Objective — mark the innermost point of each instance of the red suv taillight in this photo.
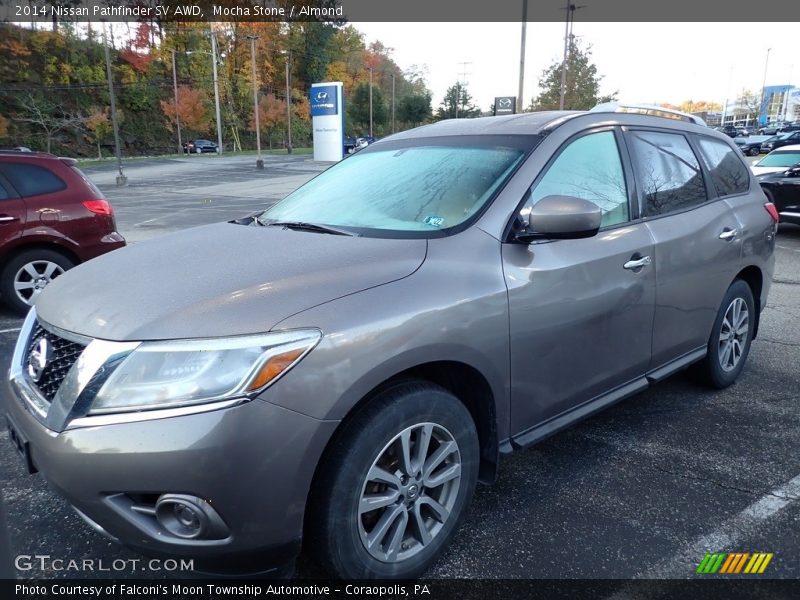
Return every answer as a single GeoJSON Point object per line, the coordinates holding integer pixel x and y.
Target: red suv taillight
{"type": "Point", "coordinates": [773, 212]}
{"type": "Point", "coordinates": [99, 207]}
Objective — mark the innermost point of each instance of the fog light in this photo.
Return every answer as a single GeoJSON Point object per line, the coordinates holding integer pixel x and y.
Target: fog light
{"type": "Point", "coordinates": [189, 517]}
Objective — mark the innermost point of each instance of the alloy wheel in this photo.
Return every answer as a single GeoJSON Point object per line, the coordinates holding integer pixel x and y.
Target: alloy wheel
{"type": "Point", "coordinates": [733, 334]}
{"type": "Point", "coordinates": [33, 277]}
{"type": "Point", "coordinates": [409, 492]}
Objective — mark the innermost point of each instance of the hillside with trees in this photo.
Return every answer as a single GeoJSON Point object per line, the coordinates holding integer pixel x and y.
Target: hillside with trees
{"type": "Point", "coordinates": [54, 90]}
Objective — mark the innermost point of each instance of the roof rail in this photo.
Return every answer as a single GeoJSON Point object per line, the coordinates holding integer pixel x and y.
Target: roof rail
{"type": "Point", "coordinates": [648, 109]}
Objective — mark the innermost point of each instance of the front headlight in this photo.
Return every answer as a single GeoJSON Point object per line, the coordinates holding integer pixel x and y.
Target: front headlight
{"type": "Point", "coordinates": [178, 373]}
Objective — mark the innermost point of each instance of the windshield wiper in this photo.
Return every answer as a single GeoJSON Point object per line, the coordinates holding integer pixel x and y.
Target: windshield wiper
{"type": "Point", "coordinates": [301, 226]}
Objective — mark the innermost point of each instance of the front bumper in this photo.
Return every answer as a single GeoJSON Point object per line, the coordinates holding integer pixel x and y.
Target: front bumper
{"type": "Point", "coordinates": [253, 463]}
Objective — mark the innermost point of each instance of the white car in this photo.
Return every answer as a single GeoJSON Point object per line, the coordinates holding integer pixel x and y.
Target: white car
{"type": "Point", "coordinates": [781, 159]}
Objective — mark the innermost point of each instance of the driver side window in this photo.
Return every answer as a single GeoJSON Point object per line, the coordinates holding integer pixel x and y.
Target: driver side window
{"type": "Point", "coordinates": [589, 168]}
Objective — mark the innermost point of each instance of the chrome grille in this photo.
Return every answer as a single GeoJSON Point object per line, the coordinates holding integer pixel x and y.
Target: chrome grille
{"type": "Point", "coordinates": [65, 353]}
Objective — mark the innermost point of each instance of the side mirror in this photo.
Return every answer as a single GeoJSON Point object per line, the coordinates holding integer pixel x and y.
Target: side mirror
{"type": "Point", "coordinates": [794, 171]}
{"type": "Point", "coordinates": [560, 217]}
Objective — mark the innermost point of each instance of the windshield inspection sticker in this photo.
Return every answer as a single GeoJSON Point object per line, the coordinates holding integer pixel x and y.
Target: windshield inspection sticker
{"type": "Point", "coordinates": [433, 220]}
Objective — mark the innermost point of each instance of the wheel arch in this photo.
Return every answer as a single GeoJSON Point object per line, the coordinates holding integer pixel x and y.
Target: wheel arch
{"type": "Point", "coordinates": [40, 245]}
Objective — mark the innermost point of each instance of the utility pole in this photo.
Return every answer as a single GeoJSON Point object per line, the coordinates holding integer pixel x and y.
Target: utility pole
{"type": "Point", "coordinates": [259, 160]}
{"type": "Point", "coordinates": [458, 83]}
{"type": "Point", "coordinates": [393, 103]}
{"type": "Point", "coordinates": [522, 55]}
{"type": "Point", "coordinates": [175, 88]}
{"type": "Point", "coordinates": [288, 106]}
{"type": "Point", "coordinates": [216, 90]}
{"type": "Point", "coordinates": [763, 102]}
{"type": "Point", "coordinates": [121, 179]}
{"type": "Point", "coordinates": [564, 64]}
{"type": "Point", "coordinates": [370, 102]}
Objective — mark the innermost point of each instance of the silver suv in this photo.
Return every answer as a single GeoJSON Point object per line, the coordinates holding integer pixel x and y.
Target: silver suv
{"type": "Point", "coordinates": [345, 366]}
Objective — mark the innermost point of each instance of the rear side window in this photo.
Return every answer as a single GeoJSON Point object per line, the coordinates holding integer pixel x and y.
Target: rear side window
{"type": "Point", "coordinates": [668, 172]}
{"type": "Point", "coordinates": [32, 180]}
{"type": "Point", "coordinates": [4, 195]}
{"type": "Point", "coordinates": [728, 173]}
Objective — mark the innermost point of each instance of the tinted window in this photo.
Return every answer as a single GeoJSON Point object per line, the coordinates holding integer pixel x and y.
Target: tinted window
{"type": "Point", "coordinates": [589, 168]}
{"type": "Point", "coordinates": [728, 173]}
{"type": "Point", "coordinates": [668, 172]}
{"type": "Point", "coordinates": [4, 193]}
{"type": "Point", "coordinates": [31, 180]}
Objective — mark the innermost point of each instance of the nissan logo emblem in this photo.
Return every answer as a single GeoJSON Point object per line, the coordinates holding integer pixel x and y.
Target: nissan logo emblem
{"type": "Point", "coordinates": [38, 359]}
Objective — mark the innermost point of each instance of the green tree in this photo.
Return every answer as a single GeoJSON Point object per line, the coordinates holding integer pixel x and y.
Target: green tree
{"type": "Point", "coordinates": [582, 85]}
{"type": "Point", "coordinates": [358, 108]}
{"type": "Point", "coordinates": [414, 109]}
{"type": "Point", "coordinates": [457, 103]}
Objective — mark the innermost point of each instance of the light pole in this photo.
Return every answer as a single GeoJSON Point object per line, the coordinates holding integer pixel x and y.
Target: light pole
{"type": "Point", "coordinates": [259, 160]}
{"type": "Point", "coordinates": [563, 88]}
{"type": "Point", "coordinates": [763, 102]}
{"type": "Point", "coordinates": [213, 54]}
{"type": "Point", "coordinates": [288, 105]}
{"type": "Point", "coordinates": [392, 103]}
{"type": "Point", "coordinates": [121, 179]}
{"type": "Point", "coordinates": [522, 55]}
{"type": "Point", "coordinates": [175, 88]}
{"type": "Point", "coordinates": [216, 91]}
{"type": "Point", "coordinates": [370, 102]}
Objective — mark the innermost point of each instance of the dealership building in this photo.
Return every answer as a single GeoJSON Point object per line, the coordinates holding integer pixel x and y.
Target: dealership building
{"type": "Point", "coordinates": [778, 103]}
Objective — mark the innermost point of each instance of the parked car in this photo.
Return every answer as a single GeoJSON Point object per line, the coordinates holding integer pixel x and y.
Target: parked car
{"type": "Point", "coordinates": [362, 143]}
{"type": "Point", "coordinates": [789, 128]}
{"type": "Point", "coordinates": [742, 132]}
{"type": "Point", "coordinates": [344, 366]}
{"type": "Point", "coordinates": [780, 140]}
{"type": "Point", "coordinates": [200, 146]}
{"type": "Point", "coordinates": [728, 130]}
{"type": "Point", "coordinates": [349, 144]}
{"type": "Point", "coordinates": [777, 161]}
{"type": "Point", "coordinates": [770, 129]}
{"type": "Point", "coordinates": [751, 146]}
{"type": "Point", "coordinates": [782, 188]}
{"type": "Point", "coordinates": [51, 218]}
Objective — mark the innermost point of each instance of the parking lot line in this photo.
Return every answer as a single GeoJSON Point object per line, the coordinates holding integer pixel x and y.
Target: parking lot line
{"type": "Point", "coordinates": [12, 330]}
{"type": "Point", "coordinates": [731, 532]}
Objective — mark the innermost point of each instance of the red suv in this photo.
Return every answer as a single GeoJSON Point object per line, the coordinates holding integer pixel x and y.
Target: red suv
{"type": "Point", "coordinates": [51, 218]}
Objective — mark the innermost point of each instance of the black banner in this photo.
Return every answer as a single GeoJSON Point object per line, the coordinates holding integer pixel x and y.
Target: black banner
{"type": "Point", "coordinates": [250, 589]}
{"type": "Point", "coordinates": [337, 11]}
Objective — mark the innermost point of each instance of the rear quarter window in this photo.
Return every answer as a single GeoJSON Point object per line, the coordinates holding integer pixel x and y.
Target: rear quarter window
{"type": "Point", "coordinates": [31, 180]}
{"type": "Point", "coordinates": [729, 175]}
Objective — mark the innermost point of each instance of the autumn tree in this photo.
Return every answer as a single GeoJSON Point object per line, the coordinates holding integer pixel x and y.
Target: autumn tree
{"type": "Point", "coordinates": [271, 116]}
{"type": "Point", "coordinates": [457, 104]}
{"type": "Point", "coordinates": [98, 125]}
{"type": "Point", "coordinates": [748, 105]}
{"type": "Point", "coordinates": [191, 111]}
{"type": "Point", "coordinates": [3, 126]}
{"type": "Point", "coordinates": [582, 85]}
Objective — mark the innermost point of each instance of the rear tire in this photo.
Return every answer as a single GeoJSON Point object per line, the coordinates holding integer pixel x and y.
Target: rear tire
{"type": "Point", "coordinates": [377, 511]}
{"type": "Point", "coordinates": [24, 277]}
{"type": "Point", "coordinates": [730, 339]}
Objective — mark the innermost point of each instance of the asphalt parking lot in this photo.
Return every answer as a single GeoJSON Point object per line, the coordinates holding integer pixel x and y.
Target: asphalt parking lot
{"type": "Point", "coordinates": [643, 489]}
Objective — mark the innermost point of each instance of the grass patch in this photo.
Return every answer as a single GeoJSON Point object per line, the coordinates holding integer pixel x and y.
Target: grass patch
{"type": "Point", "coordinates": [95, 162]}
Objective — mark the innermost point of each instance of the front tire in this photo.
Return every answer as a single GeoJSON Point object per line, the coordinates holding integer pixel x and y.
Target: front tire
{"type": "Point", "coordinates": [27, 274]}
{"type": "Point", "coordinates": [395, 485]}
{"type": "Point", "coordinates": [730, 339]}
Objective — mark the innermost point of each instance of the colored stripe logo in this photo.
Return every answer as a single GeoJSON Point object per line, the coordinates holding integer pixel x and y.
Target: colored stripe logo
{"type": "Point", "coordinates": [734, 563]}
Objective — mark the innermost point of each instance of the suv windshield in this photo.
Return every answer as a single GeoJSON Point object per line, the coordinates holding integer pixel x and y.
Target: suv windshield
{"type": "Point", "coordinates": [786, 158]}
{"type": "Point", "coordinates": [418, 188]}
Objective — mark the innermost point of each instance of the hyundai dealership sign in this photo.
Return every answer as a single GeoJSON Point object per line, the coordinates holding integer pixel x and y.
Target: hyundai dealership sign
{"type": "Point", "coordinates": [327, 121]}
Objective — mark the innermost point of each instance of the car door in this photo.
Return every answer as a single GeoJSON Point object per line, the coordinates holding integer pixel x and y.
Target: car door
{"type": "Point", "coordinates": [41, 189]}
{"type": "Point", "coordinates": [581, 310]}
{"type": "Point", "coordinates": [697, 241]}
{"type": "Point", "coordinates": [12, 213]}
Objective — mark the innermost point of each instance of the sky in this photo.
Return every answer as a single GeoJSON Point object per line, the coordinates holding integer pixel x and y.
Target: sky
{"type": "Point", "coordinates": [644, 62]}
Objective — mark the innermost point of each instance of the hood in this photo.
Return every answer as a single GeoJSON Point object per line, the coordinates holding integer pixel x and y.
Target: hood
{"type": "Point", "coordinates": [765, 170]}
{"type": "Point", "coordinates": [219, 280]}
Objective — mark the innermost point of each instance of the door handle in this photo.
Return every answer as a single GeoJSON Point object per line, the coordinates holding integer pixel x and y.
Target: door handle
{"type": "Point", "coordinates": [637, 263]}
{"type": "Point", "coordinates": [728, 234]}
{"type": "Point", "coordinates": [7, 218]}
